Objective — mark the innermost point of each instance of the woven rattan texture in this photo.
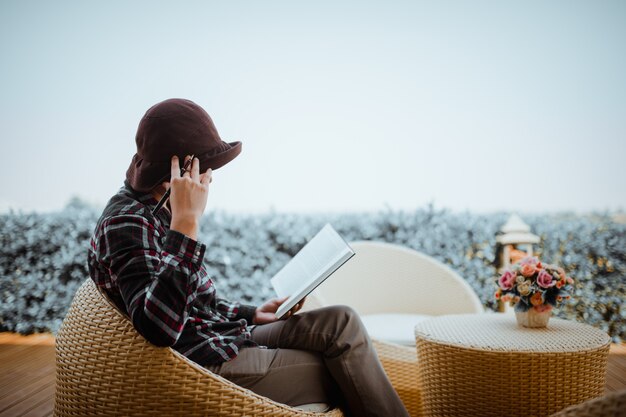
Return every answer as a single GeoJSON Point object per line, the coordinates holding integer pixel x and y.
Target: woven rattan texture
{"type": "Point", "coordinates": [105, 368]}
{"type": "Point", "coordinates": [400, 363]}
{"type": "Point", "coordinates": [501, 332]}
{"type": "Point", "coordinates": [612, 405]}
{"type": "Point", "coordinates": [528, 379]}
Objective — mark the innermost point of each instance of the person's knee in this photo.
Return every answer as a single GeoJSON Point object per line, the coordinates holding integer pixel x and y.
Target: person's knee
{"type": "Point", "coordinates": [341, 311]}
{"type": "Point", "coordinates": [346, 317]}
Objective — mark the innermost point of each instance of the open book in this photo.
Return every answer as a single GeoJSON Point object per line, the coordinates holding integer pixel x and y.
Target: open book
{"type": "Point", "coordinates": [315, 262]}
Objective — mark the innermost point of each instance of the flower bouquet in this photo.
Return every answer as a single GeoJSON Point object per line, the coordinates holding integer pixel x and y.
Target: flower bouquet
{"type": "Point", "coordinates": [533, 288]}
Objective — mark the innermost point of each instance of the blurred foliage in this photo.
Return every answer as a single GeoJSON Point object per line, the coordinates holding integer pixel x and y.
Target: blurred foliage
{"type": "Point", "coordinates": [43, 256]}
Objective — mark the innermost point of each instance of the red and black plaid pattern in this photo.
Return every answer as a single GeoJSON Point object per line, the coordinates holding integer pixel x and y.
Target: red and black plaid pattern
{"type": "Point", "coordinates": [156, 276]}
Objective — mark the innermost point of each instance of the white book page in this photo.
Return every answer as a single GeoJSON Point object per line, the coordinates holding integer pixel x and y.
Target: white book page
{"type": "Point", "coordinates": [319, 258]}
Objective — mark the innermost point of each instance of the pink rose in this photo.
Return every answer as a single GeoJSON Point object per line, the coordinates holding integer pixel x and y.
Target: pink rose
{"type": "Point", "coordinates": [530, 260]}
{"type": "Point", "coordinates": [528, 270]}
{"type": "Point", "coordinates": [544, 279]}
{"type": "Point", "coordinates": [507, 280]}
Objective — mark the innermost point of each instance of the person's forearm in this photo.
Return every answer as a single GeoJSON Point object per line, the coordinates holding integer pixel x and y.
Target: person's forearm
{"type": "Point", "coordinates": [188, 227]}
{"type": "Point", "coordinates": [235, 310]}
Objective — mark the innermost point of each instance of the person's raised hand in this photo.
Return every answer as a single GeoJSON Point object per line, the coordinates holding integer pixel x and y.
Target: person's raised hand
{"type": "Point", "coordinates": [188, 197]}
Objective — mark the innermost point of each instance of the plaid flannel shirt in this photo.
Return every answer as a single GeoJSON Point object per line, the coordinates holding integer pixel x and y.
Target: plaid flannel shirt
{"type": "Point", "coordinates": [155, 275]}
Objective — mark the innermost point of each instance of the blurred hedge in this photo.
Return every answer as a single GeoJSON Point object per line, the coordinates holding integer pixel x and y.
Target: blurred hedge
{"type": "Point", "coordinates": [43, 256]}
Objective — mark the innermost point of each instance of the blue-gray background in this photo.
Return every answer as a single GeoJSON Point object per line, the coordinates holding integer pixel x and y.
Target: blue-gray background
{"type": "Point", "coordinates": [479, 105]}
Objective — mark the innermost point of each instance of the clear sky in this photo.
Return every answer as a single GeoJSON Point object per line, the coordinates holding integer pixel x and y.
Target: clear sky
{"type": "Point", "coordinates": [340, 105]}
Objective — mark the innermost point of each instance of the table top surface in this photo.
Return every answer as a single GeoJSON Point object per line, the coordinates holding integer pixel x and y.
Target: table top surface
{"type": "Point", "coordinates": [500, 332]}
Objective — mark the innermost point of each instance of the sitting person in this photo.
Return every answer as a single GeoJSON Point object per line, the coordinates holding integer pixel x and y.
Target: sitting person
{"type": "Point", "coordinates": [150, 263]}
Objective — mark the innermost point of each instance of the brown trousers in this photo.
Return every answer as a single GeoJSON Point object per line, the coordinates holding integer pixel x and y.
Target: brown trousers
{"type": "Point", "coordinates": [323, 355]}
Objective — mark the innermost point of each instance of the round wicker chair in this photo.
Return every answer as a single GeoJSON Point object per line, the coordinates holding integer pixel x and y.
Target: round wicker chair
{"type": "Point", "coordinates": [610, 405]}
{"type": "Point", "coordinates": [106, 368]}
{"type": "Point", "coordinates": [389, 278]}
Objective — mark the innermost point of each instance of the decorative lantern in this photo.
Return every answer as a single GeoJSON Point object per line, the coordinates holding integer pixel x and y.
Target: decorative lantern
{"type": "Point", "coordinates": [514, 243]}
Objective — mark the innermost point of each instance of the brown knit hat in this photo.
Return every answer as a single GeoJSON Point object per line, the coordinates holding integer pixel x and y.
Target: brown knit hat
{"type": "Point", "coordinates": [175, 127]}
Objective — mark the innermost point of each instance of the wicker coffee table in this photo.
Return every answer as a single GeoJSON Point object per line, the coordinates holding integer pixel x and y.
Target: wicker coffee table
{"type": "Point", "coordinates": [486, 365]}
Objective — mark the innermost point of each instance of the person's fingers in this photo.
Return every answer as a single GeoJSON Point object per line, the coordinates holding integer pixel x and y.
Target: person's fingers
{"type": "Point", "coordinates": [175, 167]}
{"type": "Point", "coordinates": [208, 177]}
{"type": "Point", "coordinates": [186, 173]}
{"type": "Point", "coordinates": [195, 169]}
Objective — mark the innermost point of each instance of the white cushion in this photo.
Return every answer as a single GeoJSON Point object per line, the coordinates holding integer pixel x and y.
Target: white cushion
{"type": "Point", "coordinates": [314, 407]}
{"type": "Point", "coordinates": [394, 328]}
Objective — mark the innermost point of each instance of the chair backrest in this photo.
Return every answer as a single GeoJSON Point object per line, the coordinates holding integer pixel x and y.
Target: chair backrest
{"type": "Point", "coordinates": [388, 278]}
{"type": "Point", "coordinates": [612, 404]}
{"type": "Point", "coordinates": [106, 368]}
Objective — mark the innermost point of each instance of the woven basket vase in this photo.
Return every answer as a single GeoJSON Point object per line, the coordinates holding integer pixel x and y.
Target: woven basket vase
{"type": "Point", "coordinates": [532, 318]}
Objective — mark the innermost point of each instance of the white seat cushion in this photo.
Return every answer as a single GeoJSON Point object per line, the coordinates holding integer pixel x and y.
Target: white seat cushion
{"type": "Point", "coordinates": [314, 407]}
{"type": "Point", "coordinates": [394, 328]}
